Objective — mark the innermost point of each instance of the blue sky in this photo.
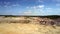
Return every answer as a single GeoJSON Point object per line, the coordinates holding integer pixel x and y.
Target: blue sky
{"type": "Point", "coordinates": [29, 7]}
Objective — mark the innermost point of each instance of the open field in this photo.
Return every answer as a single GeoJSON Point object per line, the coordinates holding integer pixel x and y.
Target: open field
{"type": "Point", "coordinates": [29, 25]}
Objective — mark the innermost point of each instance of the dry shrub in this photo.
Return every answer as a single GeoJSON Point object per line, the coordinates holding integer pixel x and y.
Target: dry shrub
{"type": "Point", "coordinates": [19, 21]}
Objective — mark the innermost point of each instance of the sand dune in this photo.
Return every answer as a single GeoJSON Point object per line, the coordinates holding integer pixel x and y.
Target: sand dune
{"type": "Point", "coordinates": [28, 25]}
{"type": "Point", "coordinates": [17, 28]}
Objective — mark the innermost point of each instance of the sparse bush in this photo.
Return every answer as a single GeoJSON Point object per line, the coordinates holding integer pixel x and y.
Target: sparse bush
{"type": "Point", "coordinates": [19, 21]}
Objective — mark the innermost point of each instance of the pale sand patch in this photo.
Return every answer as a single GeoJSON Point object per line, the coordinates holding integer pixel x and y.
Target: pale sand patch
{"type": "Point", "coordinates": [17, 28]}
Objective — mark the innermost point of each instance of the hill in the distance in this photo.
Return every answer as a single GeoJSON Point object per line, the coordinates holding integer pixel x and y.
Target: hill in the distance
{"type": "Point", "coordinates": [44, 20]}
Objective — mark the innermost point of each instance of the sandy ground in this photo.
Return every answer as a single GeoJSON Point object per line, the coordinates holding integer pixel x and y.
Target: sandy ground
{"type": "Point", "coordinates": [18, 28]}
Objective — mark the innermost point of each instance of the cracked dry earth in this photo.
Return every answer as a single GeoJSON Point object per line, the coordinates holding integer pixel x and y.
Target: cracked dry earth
{"type": "Point", "coordinates": [18, 28]}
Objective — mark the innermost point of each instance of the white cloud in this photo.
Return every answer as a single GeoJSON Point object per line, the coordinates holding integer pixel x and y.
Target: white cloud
{"type": "Point", "coordinates": [5, 6]}
{"type": "Point", "coordinates": [40, 6]}
{"type": "Point", "coordinates": [56, 1]}
{"type": "Point", "coordinates": [58, 4]}
{"type": "Point", "coordinates": [7, 3]}
{"type": "Point", "coordinates": [29, 12]}
{"type": "Point", "coordinates": [15, 5]}
{"type": "Point", "coordinates": [48, 8]}
{"type": "Point", "coordinates": [51, 11]}
{"type": "Point", "coordinates": [35, 10]}
{"type": "Point", "coordinates": [0, 5]}
{"type": "Point", "coordinates": [27, 7]}
{"type": "Point", "coordinates": [41, 1]}
{"type": "Point", "coordinates": [36, 7]}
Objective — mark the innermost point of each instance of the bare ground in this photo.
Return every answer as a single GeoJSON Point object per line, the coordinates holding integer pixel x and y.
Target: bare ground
{"type": "Point", "coordinates": [24, 25]}
{"type": "Point", "coordinates": [18, 28]}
